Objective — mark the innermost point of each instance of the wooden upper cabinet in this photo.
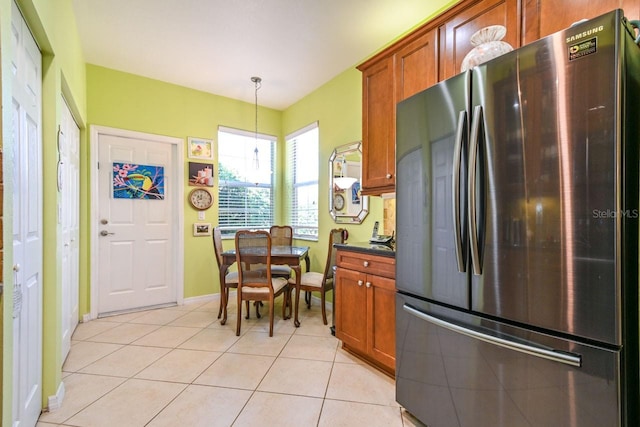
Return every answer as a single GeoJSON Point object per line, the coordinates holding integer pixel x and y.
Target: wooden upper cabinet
{"type": "Point", "coordinates": [434, 52]}
{"type": "Point", "coordinates": [378, 128]}
{"type": "Point", "coordinates": [456, 32]}
{"type": "Point", "coordinates": [541, 18]}
{"type": "Point", "coordinates": [417, 65]}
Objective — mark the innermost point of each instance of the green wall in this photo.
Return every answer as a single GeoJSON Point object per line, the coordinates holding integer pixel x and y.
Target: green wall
{"type": "Point", "coordinates": [132, 102]}
{"type": "Point", "coordinates": [127, 101]}
{"type": "Point", "coordinates": [337, 106]}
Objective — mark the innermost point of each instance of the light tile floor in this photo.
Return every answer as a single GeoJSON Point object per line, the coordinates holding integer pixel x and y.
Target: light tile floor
{"type": "Point", "coordinates": [179, 367]}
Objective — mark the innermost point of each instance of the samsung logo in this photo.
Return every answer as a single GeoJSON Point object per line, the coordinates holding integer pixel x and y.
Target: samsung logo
{"type": "Point", "coordinates": [585, 34]}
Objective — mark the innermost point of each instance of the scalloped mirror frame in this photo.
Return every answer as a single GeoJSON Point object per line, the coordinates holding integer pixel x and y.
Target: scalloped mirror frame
{"type": "Point", "coordinates": [350, 153]}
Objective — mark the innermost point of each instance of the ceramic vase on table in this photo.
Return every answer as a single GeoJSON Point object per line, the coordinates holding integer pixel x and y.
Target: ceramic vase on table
{"type": "Point", "coordinates": [487, 44]}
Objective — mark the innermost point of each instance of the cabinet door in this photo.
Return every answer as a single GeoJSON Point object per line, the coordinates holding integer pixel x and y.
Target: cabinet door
{"type": "Point", "coordinates": [378, 128]}
{"type": "Point", "coordinates": [381, 310]}
{"type": "Point", "coordinates": [455, 34]}
{"type": "Point", "coordinates": [417, 66]}
{"type": "Point", "coordinates": [544, 17]}
{"type": "Point", "coordinates": [351, 308]}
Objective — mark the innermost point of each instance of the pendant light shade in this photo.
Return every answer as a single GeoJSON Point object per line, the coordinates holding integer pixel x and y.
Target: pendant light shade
{"type": "Point", "coordinates": [257, 81]}
{"type": "Point", "coordinates": [344, 182]}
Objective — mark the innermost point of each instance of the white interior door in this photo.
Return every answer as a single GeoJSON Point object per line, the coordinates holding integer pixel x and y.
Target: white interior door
{"type": "Point", "coordinates": [138, 221]}
{"type": "Point", "coordinates": [69, 185]}
{"type": "Point", "coordinates": [27, 223]}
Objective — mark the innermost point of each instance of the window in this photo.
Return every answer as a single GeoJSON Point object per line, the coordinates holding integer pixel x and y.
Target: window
{"type": "Point", "coordinates": [302, 167]}
{"type": "Point", "coordinates": [245, 195]}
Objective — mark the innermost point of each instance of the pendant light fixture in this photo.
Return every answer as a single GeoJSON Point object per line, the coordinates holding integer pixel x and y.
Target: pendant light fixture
{"type": "Point", "coordinates": [257, 81]}
{"type": "Point", "coordinates": [343, 182]}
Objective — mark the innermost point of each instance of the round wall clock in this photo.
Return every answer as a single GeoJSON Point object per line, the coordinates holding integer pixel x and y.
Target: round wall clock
{"type": "Point", "coordinates": [200, 198]}
{"type": "Point", "coordinates": [338, 202]}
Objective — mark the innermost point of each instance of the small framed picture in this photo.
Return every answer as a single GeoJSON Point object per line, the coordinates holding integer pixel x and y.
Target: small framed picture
{"type": "Point", "coordinates": [199, 148]}
{"type": "Point", "coordinates": [201, 229]}
{"type": "Point", "coordinates": [200, 174]}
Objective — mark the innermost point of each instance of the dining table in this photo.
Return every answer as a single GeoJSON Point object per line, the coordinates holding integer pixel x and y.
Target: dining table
{"type": "Point", "coordinates": [280, 255]}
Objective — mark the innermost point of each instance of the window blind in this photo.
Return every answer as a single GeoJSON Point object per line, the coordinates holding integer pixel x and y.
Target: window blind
{"type": "Point", "coordinates": [245, 194]}
{"type": "Point", "coordinates": [302, 167]}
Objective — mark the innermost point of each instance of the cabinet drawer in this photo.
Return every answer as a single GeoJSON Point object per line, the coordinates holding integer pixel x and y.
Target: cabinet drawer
{"type": "Point", "coordinates": [366, 263]}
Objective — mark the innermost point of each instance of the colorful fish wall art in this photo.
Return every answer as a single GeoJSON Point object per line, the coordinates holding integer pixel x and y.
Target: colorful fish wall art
{"type": "Point", "coordinates": [138, 181]}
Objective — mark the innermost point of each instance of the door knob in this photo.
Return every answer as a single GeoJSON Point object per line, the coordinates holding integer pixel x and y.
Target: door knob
{"type": "Point", "coordinates": [16, 268]}
{"type": "Point", "coordinates": [105, 233]}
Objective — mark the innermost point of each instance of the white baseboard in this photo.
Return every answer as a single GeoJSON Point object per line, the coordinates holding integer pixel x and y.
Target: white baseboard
{"type": "Point", "coordinates": [199, 299]}
{"type": "Point", "coordinates": [55, 402]}
{"type": "Point", "coordinates": [202, 298]}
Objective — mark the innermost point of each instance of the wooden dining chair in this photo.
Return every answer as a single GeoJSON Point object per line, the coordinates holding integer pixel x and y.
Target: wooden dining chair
{"type": "Point", "coordinates": [253, 247]}
{"type": "Point", "coordinates": [281, 235]}
{"type": "Point", "coordinates": [312, 281]}
{"type": "Point", "coordinates": [230, 279]}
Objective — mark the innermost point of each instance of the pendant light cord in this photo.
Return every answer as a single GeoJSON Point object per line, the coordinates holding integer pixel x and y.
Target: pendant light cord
{"type": "Point", "coordinates": [258, 84]}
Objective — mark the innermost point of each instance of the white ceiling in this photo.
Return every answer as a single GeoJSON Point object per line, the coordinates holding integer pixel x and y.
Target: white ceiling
{"type": "Point", "coordinates": [216, 46]}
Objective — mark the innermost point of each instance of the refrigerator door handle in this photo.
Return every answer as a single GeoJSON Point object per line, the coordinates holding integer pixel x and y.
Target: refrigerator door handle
{"type": "Point", "coordinates": [457, 163]}
{"type": "Point", "coordinates": [556, 356]}
{"type": "Point", "coordinates": [473, 164]}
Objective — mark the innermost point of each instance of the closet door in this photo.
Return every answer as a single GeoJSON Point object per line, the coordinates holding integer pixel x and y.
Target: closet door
{"type": "Point", "coordinates": [26, 143]}
{"type": "Point", "coordinates": [69, 186]}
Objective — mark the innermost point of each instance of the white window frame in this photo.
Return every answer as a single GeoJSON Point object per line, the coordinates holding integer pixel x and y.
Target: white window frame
{"type": "Point", "coordinates": [302, 173]}
{"type": "Point", "coordinates": [238, 158]}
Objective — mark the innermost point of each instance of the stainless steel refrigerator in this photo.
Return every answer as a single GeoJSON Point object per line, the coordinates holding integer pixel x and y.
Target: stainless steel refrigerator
{"type": "Point", "coordinates": [517, 237]}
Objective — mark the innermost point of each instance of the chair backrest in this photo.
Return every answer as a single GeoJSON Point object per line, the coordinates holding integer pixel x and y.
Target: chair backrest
{"type": "Point", "coordinates": [281, 235]}
{"type": "Point", "coordinates": [217, 245]}
{"type": "Point", "coordinates": [253, 247]}
{"type": "Point", "coordinates": [337, 235]}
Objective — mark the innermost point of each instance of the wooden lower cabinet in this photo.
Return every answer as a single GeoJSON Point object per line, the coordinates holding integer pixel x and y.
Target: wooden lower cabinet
{"type": "Point", "coordinates": [365, 307]}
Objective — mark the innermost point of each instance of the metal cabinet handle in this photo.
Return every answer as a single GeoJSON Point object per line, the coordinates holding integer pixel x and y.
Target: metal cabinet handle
{"type": "Point", "coordinates": [389, 176]}
{"type": "Point", "coordinates": [474, 241]}
{"type": "Point", "coordinates": [368, 284]}
{"type": "Point", "coordinates": [457, 163]}
{"type": "Point", "coordinates": [366, 263]}
{"type": "Point", "coordinates": [360, 282]}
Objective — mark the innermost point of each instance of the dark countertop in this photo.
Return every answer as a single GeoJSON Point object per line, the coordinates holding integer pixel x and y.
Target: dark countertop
{"type": "Point", "coordinates": [367, 248]}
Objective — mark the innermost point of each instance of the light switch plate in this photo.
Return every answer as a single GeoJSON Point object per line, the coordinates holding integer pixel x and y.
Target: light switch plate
{"type": "Point", "coordinates": [200, 215]}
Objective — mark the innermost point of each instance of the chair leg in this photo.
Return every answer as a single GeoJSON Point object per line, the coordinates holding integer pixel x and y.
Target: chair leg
{"type": "Point", "coordinates": [324, 310]}
{"type": "Point", "coordinates": [248, 310]}
{"type": "Point", "coordinates": [271, 300]}
{"type": "Point", "coordinates": [289, 303]}
{"type": "Point", "coordinates": [226, 304]}
{"type": "Point", "coordinates": [222, 297]}
{"type": "Point", "coordinates": [307, 298]}
{"type": "Point", "coordinates": [284, 304]}
{"type": "Point", "coordinates": [239, 317]}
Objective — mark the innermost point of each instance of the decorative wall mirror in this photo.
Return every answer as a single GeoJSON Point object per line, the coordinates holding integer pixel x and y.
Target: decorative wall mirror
{"type": "Point", "coordinates": [346, 203]}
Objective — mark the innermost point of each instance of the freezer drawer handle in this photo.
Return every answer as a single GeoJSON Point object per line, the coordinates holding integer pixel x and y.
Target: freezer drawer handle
{"type": "Point", "coordinates": [567, 359]}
